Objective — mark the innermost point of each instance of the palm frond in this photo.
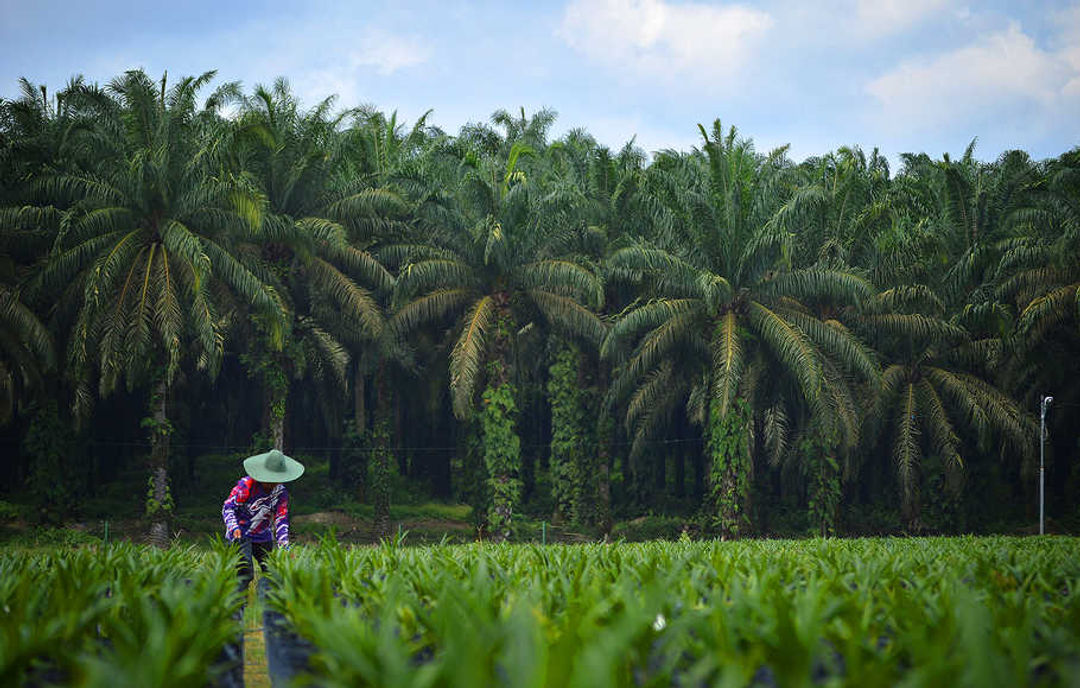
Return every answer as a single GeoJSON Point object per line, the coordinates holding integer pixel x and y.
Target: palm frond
{"type": "Point", "coordinates": [562, 277]}
{"type": "Point", "coordinates": [906, 451]}
{"type": "Point", "coordinates": [567, 315]}
{"type": "Point", "coordinates": [436, 273]}
{"type": "Point", "coordinates": [727, 362]}
{"type": "Point", "coordinates": [937, 426]}
{"type": "Point", "coordinates": [468, 355]}
{"type": "Point", "coordinates": [790, 346]}
{"type": "Point", "coordinates": [431, 307]}
{"type": "Point", "coordinates": [833, 286]}
{"type": "Point", "coordinates": [356, 302]}
{"type": "Point", "coordinates": [836, 341]}
{"type": "Point", "coordinates": [646, 317]}
{"type": "Point", "coordinates": [30, 332]}
{"type": "Point", "coordinates": [655, 386]}
{"type": "Point", "coordinates": [913, 326]}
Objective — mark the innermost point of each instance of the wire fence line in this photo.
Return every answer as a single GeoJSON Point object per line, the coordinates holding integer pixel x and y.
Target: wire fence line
{"type": "Point", "coordinates": [312, 450]}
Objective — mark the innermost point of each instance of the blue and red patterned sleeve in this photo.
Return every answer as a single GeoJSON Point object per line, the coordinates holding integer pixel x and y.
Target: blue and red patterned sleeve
{"type": "Point", "coordinates": [281, 519]}
{"type": "Point", "coordinates": [238, 496]}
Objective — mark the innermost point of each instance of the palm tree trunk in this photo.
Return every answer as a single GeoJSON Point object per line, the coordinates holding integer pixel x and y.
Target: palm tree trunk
{"type": "Point", "coordinates": [605, 428]}
{"type": "Point", "coordinates": [359, 400]}
{"type": "Point", "coordinates": [502, 446]}
{"type": "Point", "coordinates": [159, 506]}
{"type": "Point", "coordinates": [605, 431]}
{"type": "Point", "coordinates": [566, 436]}
{"type": "Point", "coordinates": [729, 470]}
{"type": "Point", "coordinates": [275, 386]}
{"type": "Point", "coordinates": [380, 488]}
{"type": "Point", "coordinates": [277, 422]}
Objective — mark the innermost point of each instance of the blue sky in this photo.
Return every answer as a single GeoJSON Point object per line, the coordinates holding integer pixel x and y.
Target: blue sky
{"type": "Point", "coordinates": [902, 75]}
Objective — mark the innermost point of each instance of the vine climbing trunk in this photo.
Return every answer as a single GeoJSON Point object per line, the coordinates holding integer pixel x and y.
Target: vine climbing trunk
{"type": "Point", "coordinates": [729, 467]}
{"type": "Point", "coordinates": [275, 385]}
{"type": "Point", "coordinates": [502, 446]}
{"type": "Point", "coordinates": [567, 435]}
{"type": "Point", "coordinates": [382, 460]}
{"type": "Point", "coordinates": [824, 477]}
{"type": "Point", "coordinates": [605, 433]}
{"type": "Point", "coordinates": [277, 420]}
{"type": "Point", "coordinates": [159, 499]}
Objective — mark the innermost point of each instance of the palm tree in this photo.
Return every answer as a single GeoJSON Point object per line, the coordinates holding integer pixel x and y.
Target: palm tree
{"type": "Point", "coordinates": [26, 353]}
{"type": "Point", "coordinates": [1038, 271]}
{"type": "Point", "coordinates": [834, 209]}
{"type": "Point", "coordinates": [1039, 277]}
{"type": "Point", "coordinates": [34, 134]}
{"type": "Point", "coordinates": [933, 387]}
{"type": "Point", "coordinates": [315, 224]}
{"type": "Point", "coordinates": [144, 251]}
{"type": "Point", "coordinates": [497, 274]}
{"type": "Point", "coordinates": [833, 214]}
{"type": "Point", "coordinates": [725, 323]}
{"type": "Point", "coordinates": [591, 206]}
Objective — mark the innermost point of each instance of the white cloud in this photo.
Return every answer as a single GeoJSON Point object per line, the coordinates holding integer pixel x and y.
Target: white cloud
{"type": "Point", "coordinates": [1000, 70]}
{"type": "Point", "coordinates": [388, 53]}
{"type": "Point", "coordinates": [660, 38]}
{"type": "Point", "coordinates": [1068, 23]}
{"type": "Point", "coordinates": [875, 18]}
{"type": "Point", "coordinates": [317, 69]}
{"type": "Point", "coordinates": [615, 131]}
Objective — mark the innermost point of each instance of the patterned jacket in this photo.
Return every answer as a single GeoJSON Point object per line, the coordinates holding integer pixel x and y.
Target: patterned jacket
{"type": "Point", "coordinates": [257, 513]}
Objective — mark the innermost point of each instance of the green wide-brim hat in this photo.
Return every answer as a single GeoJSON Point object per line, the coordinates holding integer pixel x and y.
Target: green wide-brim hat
{"type": "Point", "coordinates": [273, 467]}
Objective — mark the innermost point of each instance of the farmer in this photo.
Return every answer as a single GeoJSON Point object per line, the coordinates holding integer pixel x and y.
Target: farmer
{"type": "Point", "coordinates": [256, 512]}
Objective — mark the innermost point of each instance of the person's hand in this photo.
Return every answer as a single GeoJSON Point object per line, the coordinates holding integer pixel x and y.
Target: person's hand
{"type": "Point", "coordinates": [236, 534]}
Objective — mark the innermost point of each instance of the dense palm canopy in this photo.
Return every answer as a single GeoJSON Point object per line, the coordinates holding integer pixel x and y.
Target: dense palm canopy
{"type": "Point", "coordinates": [730, 319]}
{"type": "Point", "coordinates": [821, 346]}
{"type": "Point", "coordinates": [142, 245]}
{"type": "Point", "coordinates": [498, 272]}
{"type": "Point", "coordinates": [314, 226]}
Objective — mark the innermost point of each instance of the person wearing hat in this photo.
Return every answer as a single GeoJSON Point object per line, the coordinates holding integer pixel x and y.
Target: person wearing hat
{"type": "Point", "coordinates": [256, 512]}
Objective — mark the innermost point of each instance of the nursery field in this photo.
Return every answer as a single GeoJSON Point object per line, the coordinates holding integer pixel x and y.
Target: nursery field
{"type": "Point", "coordinates": [962, 611]}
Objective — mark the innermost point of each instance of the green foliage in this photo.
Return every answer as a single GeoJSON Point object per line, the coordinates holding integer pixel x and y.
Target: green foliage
{"type": "Point", "coordinates": [502, 457]}
{"type": "Point", "coordinates": [571, 449]}
{"type": "Point", "coordinates": [382, 475]}
{"type": "Point", "coordinates": [972, 612]}
{"type": "Point", "coordinates": [158, 508]}
{"type": "Point", "coordinates": [54, 477]}
{"type": "Point", "coordinates": [159, 430]}
{"type": "Point", "coordinates": [268, 369]}
{"type": "Point", "coordinates": [118, 616]}
{"type": "Point", "coordinates": [729, 468]}
{"type": "Point", "coordinates": [915, 315]}
{"type": "Point", "coordinates": [9, 512]}
{"type": "Point", "coordinates": [824, 484]}
{"type": "Point", "coordinates": [355, 460]}
{"type": "Point", "coordinates": [469, 473]}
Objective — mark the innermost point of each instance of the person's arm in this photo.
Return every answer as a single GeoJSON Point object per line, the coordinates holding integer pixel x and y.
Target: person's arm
{"type": "Point", "coordinates": [238, 496]}
{"type": "Point", "coordinates": [281, 520]}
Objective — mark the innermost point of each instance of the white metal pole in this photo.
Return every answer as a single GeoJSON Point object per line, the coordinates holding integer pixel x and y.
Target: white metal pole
{"type": "Point", "coordinates": [1046, 401]}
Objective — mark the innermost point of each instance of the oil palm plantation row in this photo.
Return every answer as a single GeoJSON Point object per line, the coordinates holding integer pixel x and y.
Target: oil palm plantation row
{"type": "Point", "coordinates": [532, 324]}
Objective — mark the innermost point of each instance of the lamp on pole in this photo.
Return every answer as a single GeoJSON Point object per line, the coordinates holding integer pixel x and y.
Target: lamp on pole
{"type": "Point", "coordinates": [1046, 401]}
